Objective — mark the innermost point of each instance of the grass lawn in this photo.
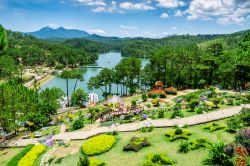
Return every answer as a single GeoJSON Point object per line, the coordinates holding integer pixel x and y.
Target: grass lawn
{"type": "Point", "coordinates": [160, 143]}
{"type": "Point", "coordinates": [7, 154]}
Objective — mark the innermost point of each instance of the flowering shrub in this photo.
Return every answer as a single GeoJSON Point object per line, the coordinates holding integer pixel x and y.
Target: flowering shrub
{"type": "Point", "coordinates": [156, 102]}
{"type": "Point", "coordinates": [214, 126]}
{"type": "Point", "coordinates": [245, 116]}
{"type": "Point", "coordinates": [96, 162]}
{"type": "Point", "coordinates": [156, 93]}
{"type": "Point", "coordinates": [177, 133]}
{"type": "Point", "coordinates": [243, 137]}
{"type": "Point", "coordinates": [32, 155]}
{"type": "Point", "coordinates": [158, 159]}
{"type": "Point", "coordinates": [98, 144]}
{"type": "Point", "coordinates": [171, 90]}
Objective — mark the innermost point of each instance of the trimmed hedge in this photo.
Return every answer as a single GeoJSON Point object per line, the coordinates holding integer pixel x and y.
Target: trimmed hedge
{"type": "Point", "coordinates": [177, 133]}
{"type": "Point", "coordinates": [136, 144]}
{"type": "Point", "coordinates": [214, 127]}
{"type": "Point", "coordinates": [158, 159]}
{"type": "Point", "coordinates": [194, 144]}
{"type": "Point", "coordinates": [32, 155]}
{"type": "Point", "coordinates": [98, 144]}
{"type": "Point", "coordinates": [23, 152]}
{"type": "Point", "coordinates": [96, 162]}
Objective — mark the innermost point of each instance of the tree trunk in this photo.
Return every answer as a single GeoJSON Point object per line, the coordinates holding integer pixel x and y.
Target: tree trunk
{"type": "Point", "coordinates": [67, 87]}
{"type": "Point", "coordinates": [75, 85]}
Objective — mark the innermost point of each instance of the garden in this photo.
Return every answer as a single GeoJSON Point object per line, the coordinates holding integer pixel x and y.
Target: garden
{"type": "Point", "coordinates": [212, 143]}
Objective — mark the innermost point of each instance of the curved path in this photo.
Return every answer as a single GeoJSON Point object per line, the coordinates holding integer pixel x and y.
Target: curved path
{"type": "Point", "coordinates": [192, 120]}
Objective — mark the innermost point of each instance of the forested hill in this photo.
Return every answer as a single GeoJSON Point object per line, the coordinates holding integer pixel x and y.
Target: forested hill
{"type": "Point", "coordinates": [32, 51]}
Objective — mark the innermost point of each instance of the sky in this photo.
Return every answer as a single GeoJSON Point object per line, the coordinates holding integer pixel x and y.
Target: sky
{"type": "Point", "coordinates": [128, 18]}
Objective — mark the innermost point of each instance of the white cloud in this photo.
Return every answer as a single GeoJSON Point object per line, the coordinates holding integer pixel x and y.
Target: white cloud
{"type": "Point", "coordinates": [112, 8]}
{"type": "Point", "coordinates": [164, 15]}
{"type": "Point", "coordinates": [170, 3]}
{"type": "Point", "coordinates": [174, 28]}
{"type": "Point", "coordinates": [92, 2]}
{"type": "Point", "coordinates": [165, 33]}
{"type": "Point", "coordinates": [53, 25]}
{"type": "Point", "coordinates": [178, 13]}
{"type": "Point", "coordinates": [135, 6]}
{"type": "Point", "coordinates": [97, 31]}
{"type": "Point", "coordinates": [124, 32]}
{"type": "Point", "coordinates": [224, 11]}
{"type": "Point", "coordinates": [128, 27]}
{"type": "Point", "coordinates": [62, 1]}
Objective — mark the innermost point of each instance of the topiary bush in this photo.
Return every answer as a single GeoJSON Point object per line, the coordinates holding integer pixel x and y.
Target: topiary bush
{"type": "Point", "coordinates": [183, 147]}
{"type": "Point", "coordinates": [214, 127]}
{"type": "Point", "coordinates": [83, 160]}
{"type": "Point", "coordinates": [158, 159]}
{"type": "Point", "coordinates": [177, 133]}
{"type": "Point", "coordinates": [161, 113]}
{"type": "Point", "coordinates": [78, 124]}
{"type": "Point", "coordinates": [194, 144]}
{"type": "Point", "coordinates": [96, 162]}
{"type": "Point", "coordinates": [136, 144]}
{"type": "Point", "coordinates": [147, 129]}
{"type": "Point", "coordinates": [32, 155]}
{"type": "Point", "coordinates": [193, 103]}
{"type": "Point", "coordinates": [98, 144]}
{"type": "Point", "coordinates": [234, 124]}
{"type": "Point", "coordinates": [14, 161]}
{"type": "Point", "coordinates": [230, 101]}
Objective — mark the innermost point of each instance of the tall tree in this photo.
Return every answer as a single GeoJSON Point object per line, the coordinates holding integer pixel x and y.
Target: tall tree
{"type": "Point", "coordinates": [3, 38]}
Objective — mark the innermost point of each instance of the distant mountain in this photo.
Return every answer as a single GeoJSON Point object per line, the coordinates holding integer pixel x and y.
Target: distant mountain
{"type": "Point", "coordinates": [47, 32]}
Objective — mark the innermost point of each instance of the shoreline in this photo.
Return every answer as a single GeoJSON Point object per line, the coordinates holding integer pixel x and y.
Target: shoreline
{"type": "Point", "coordinates": [43, 81]}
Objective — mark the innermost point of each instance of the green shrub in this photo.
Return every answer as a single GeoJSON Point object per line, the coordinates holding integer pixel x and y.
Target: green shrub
{"type": "Point", "coordinates": [177, 133]}
{"type": "Point", "coordinates": [194, 144]}
{"type": "Point", "coordinates": [245, 116]}
{"type": "Point", "coordinates": [193, 103]}
{"type": "Point", "coordinates": [136, 144]}
{"type": "Point", "coordinates": [158, 159]}
{"type": "Point", "coordinates": [217, 156]}
{"type": "Point", "coordinates": [230, 101]}
{"type": "Point", "coordinates": [233, 124]}
{"type": "Point", "coordinates": [15, 159]}
{"type": "Point", "coordinates": [78, 124]}
{"type": "Point", "coordinates": [96, 162]}
{"type": "Point", "coordinates": [214, 127]}
{"type": "Point", "coordinates": [153, 95]}
{"type": "Point", "coordinates": [83, 160]}
{"type": "Point", "coordinates": [133, 102]}
{"type": "Point", "coordinates": [156, 102]}
{"type": "Point", "coordinates": [32, 155]}
{"type": "Point", "coordinates": [147, 129]}
{"type": "Point", "coordinates": [199, 110]}
{"type": "Point", "coordinates": [98, 144]}
{"type": "Point", "coordinates": [144, 97]}
{"type": "Point", "coordinates": [184, 147]}
{"type": "Point", "coordinates": [161, 113]}
{"type": "Point", "coordinates": [216, 101]}
{"type": "Point", "coordinates": [177, 113]}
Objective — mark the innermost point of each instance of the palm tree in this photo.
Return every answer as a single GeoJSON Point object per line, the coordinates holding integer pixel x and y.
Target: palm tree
{"type": "Point", "coordinates": [78, 75]}
{"type": "Point", "coordinates": [66, 75]}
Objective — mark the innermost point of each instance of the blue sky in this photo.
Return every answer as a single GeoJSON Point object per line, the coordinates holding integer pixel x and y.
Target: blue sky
{"type": "Point", "coordinates": [149, 18]}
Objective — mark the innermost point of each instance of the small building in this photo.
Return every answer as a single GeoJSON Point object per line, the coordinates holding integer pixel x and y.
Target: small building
{"type": "Point", "coordinates": [159, 85]}
{"type": "Point", "coordinates": [93, 98]}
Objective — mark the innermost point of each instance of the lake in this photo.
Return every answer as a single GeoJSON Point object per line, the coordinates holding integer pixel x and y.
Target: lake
{"type": "Point", "coordinates": [107, 60]}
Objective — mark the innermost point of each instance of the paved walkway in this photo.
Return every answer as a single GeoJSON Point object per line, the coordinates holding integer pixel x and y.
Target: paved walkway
{"type": "Point", "coordinates": [193, 120]}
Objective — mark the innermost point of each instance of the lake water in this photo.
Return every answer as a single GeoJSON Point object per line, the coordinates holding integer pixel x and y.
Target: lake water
{"type": "Point", "coordinates": [107, 60]}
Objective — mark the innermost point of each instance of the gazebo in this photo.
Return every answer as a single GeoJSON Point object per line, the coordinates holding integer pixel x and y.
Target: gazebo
{"type": "Point", "coordinates": [93, 97]}
{"type": "Point", "coordinates": [115, 100]}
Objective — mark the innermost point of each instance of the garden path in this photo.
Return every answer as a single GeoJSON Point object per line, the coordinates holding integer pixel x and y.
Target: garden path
{"type": "Point", "coordinates": [193, 120]}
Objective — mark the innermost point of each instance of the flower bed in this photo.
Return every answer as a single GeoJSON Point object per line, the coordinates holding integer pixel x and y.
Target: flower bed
{"type": "Point", "coordinates": [177, 133]}
{"type": "Point", "coordinates": [158, 159]}
{"type": "Point", "coordinates": [214, 127]}
{"type": "Point", "coordinates": [171, 90]}
{"type": "Point", "coordinates": [32, 155]}
{"type": "Point", "coordinates": [136, 144]}
{"type": "Point", "coordinates": [14, 161]}
{"type": "Point", "coordinates": [98, 144]}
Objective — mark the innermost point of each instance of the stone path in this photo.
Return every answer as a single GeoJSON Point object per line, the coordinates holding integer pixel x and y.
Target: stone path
{"type": "Point", "coordinates": [47, 156]}
{"type": "Point", "coordinates": [193, 120]}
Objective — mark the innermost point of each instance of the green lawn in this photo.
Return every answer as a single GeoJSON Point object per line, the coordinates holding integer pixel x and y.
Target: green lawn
{"type": "Point", "coordinates": [160, 143]}
{"type": "Point", "coordinates": [7, 154]}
